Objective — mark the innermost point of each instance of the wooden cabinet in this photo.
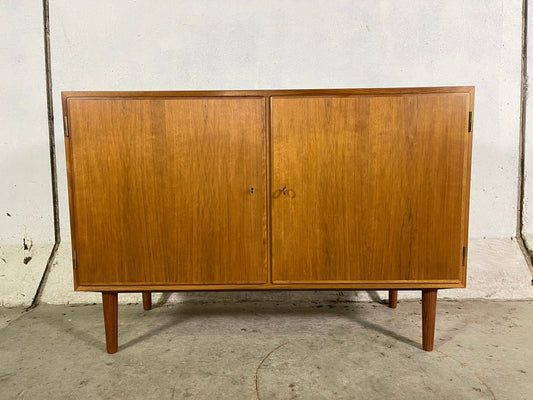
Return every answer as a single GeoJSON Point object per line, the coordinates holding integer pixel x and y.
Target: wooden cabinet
{"type": "Point", "coordinates": [268, 190]}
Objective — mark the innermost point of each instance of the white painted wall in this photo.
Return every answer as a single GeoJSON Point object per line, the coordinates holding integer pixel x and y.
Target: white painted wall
{"type": "Point", "coordinates": [256, 44]}
{"type": "Point", "coordinates": [25, 183]}
{"type": "Point", "coordinates": [25, 162]}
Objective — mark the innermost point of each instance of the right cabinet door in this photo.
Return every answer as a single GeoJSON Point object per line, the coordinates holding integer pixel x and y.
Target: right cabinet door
{"type": "Point", "coordinates": [369, 188]}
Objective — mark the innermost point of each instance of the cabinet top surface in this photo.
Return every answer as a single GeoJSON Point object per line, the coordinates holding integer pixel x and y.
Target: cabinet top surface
{"type": "Point", "coordinates": [281, 92]}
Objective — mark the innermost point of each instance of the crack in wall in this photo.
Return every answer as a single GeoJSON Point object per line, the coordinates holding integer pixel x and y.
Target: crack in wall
{"type": "Point", "coordinates": [527, 252]}
{"type": "Point", "coordinates": [53, 166]}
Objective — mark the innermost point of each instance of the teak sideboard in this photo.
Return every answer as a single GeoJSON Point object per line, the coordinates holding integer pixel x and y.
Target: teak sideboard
{"type": "Point", "coordinates": [339, 189]}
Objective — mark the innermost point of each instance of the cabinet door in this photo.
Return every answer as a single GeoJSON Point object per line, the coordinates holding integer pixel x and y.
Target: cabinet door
{"type": "Point", "coordinates": [161, 190]}
{"type": "Point", "coordinates": [376, 188]}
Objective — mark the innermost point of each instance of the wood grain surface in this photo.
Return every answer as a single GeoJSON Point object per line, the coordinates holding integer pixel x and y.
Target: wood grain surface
{"type": "Point", "coordinates": [161, 190]}
{"type": "Point", "coordinates": [267, 93]}
{"type": "Point", "coordinates": [429, 313]}
{"type": "Point", "coordinates": [110, 307]}
{"type": "Point", "coordinates": [375, 187]}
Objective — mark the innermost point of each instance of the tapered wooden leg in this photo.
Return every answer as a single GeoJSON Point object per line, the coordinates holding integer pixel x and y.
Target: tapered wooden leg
{"type": "Point", "coordinates": [429, 311]}
{"type": "Point", "coordinates": [393, 298]}
{"type": "Point", "coordinates": [110, 302]}
{"type": "Point", "coordinates": [147, 300]}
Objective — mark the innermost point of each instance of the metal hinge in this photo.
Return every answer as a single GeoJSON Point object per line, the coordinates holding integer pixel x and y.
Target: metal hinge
{"type": "Point", "coordinates": [74, 259]}
{"type": "Point", "coordinates": [470, 116]}
{"type": "Point", "coordinates": [465, 254]}
{"type": "Point", "coordinates": [65, 125]}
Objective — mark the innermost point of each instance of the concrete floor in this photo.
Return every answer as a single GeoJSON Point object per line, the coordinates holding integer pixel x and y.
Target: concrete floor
{"type": "Point", "coordinates": [483, 350]}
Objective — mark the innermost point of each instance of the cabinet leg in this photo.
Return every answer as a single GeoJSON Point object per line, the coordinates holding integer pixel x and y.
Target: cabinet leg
{"type": "Point", "coordinates": [110, 302]}
{"type": "Point", "coordinates": [393, 298]}
{"type": "Point", "coordinates": [147, 300]}
{"type": "Point", "coordinates": [429, 311]}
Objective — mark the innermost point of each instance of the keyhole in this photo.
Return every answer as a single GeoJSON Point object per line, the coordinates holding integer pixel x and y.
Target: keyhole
{"type": "Point", "coordinates": [252, 190]}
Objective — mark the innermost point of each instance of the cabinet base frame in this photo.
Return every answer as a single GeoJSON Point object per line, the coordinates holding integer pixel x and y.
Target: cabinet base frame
{"type": "Point", "coordinates": [429, 311]}
{"type": "Point", "coordinates": [348, 285]}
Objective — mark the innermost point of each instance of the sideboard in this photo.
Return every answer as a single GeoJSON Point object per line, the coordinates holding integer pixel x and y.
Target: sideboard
{"type": "Point", "coordinates": [330, 189]}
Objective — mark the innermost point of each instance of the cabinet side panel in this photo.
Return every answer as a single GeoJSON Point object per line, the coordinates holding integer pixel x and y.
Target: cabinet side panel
{"type": "Point", "coordinates": [163, 190]}
{"type": "Point", "coordinates": [374, 187]}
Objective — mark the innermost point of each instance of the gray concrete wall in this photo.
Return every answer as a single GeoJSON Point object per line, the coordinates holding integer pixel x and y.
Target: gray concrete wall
{"type": "Point", "coordinates": [200, 44]}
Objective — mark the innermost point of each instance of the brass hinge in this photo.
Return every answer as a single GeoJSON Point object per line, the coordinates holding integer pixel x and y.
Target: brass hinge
{"type": "Point", "coordinates": [65, 125]}
{"type": "Point", "coordinates": [465, 254]}
{"type": "Point", "coordinates": [74, 259]}
{"type": "Point", "coordinates": [470, 116]}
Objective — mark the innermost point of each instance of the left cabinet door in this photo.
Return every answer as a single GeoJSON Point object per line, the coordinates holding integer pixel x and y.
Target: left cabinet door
{"type": "Point", "coordinates": [161, 190]}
